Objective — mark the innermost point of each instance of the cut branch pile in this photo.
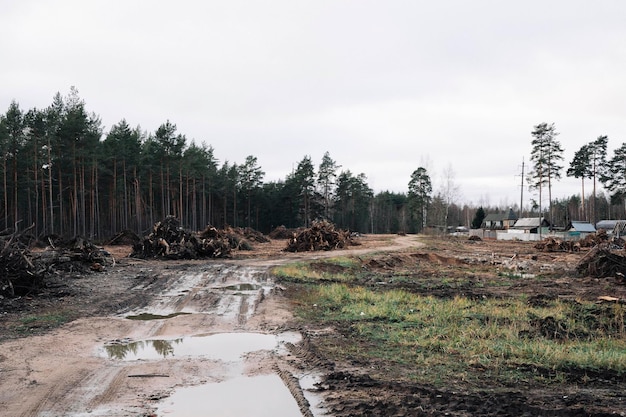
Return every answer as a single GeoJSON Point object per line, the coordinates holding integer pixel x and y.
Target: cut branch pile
{"type": "Point", "coordinates": [170, 241]}
{"type": "Point", "coordinates": [18, 274]}
{"type": "Point", "coordinates": [247, 233]}
{"type": "Point", "coordinates": [594, 239]}
{"type": "Point", "coordinates": [77, 254]}
{"type": "Point", "coordinates": [552, 244]}
{"type": "Point", "coordinates": [601, 262]}
{"type": "Point", "coordinates": [281, 232]}
{"type": "Point", "coordinates": [321, 236]}
{"type": "Point", "coordinates": [24, 272]}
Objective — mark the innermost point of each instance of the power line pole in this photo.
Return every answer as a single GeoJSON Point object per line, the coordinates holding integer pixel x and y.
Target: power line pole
{"type": "Point", "coordinates": [521, 199]}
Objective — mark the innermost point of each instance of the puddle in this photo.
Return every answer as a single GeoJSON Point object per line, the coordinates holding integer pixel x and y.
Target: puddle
{"type": "Point", "coordinates": [226, 347]}
{"type": "Point", "coordinates": [259, 396]}
{"type": "Point", "coordinates": [150, 316]}
{"type": "Point", "coordinates": [242, 287]}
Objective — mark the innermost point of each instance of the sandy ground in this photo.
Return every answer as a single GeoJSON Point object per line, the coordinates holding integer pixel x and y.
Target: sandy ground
{"type": "Point", "coordinates": [68, 371]}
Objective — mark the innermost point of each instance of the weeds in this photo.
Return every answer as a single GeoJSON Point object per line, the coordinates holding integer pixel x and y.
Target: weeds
{"type": "Point", "coordinates": [44, 321]}
{"type": "Point", "coordinates": [469, 339]}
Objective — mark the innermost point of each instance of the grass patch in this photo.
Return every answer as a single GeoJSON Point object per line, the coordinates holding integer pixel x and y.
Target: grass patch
{"type": "Point", "coordinates": [44, 321]}
{"type": "Point", "coordinates": [340, 269]}
{"type": "Point", "coordinates": [501, 340]}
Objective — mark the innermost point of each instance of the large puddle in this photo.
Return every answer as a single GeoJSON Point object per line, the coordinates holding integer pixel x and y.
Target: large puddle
{"type": "Point", "coordinates": [230, 295]}
{"type": "Point", "coordinates": [226, 347]}
{"type": "Point", "coordinates": [259, 396]}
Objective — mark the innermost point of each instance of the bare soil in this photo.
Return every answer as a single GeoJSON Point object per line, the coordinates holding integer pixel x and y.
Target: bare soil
{"type": "Point", "coordinates": [51, 361]}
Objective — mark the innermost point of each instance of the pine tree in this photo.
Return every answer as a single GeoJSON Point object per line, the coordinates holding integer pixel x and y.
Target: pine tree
{"type": "Point", "coordinates": [546, 155]}
{"type": "Point", "coordinates": [479, 217]}
{"type": "Point", "coordinates": [420, 189]}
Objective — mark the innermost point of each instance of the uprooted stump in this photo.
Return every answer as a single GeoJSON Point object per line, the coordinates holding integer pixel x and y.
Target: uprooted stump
{"type": "Point", "coordinates": [322, 235]}
{"type": "Point", "coordinates": [552, 244]}
{"type": "Point", "coordinates": [170, 241]}
{"type": "Point", "coordinates": [601, 262]}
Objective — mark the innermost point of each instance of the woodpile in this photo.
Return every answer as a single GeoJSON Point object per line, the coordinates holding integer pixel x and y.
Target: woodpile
{"type": "Point", "coordinates": [24, 271]}
{"type": "Point", "coordinates": [552, 244]}
{"type": "Point", "coordinates": [76, 255]}
{"type": "Point", "coordinates": [322, 235]}
{"type": "Point", "coordinates": [598, 238]}
{"type": "Point", "coordinates": [602, 262]}
{"type": "Point", "coordinates": [19, 275]}
{"type": "Point", "coordinates": [169, 240]}
{"type": "Point", "coordinates": [234, 237]}
{"type": "Point", "coordinates": [247, 233]}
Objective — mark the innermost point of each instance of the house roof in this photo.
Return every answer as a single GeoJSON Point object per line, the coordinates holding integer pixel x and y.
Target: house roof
{"type": "Point", "coordinates": [530, 222]}
{"type": "Point", "coordinates": [584, 227]}
{"type": "Point", "coordinates": [608, 224]}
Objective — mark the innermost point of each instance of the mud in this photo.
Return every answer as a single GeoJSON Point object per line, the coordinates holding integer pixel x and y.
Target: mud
{"type": "Point", "coordinates": [74, 350]}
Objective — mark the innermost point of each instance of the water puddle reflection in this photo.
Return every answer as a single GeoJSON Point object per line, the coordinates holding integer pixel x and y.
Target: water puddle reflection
{"type": "Point", "coordinates": [259, 396]}
{"type": "Point", "coordinates": [226, 347]}
{"type": "Point", "coordinates": [243, 287]}
{"type": "Point", "coordinates": [150, 316]}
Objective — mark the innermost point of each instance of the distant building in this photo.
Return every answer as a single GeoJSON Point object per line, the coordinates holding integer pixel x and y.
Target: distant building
{"type": "Point", "coordinates": [611, 226]}
{"type": "Point", "coordinates": [499, 221]}
{"type": "Point", "coordinates": [576, 228]}
{"type": "Point", "coordinates": [531, 225]}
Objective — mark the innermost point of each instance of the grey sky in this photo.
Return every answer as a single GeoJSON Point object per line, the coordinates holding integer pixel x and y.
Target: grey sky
{"type": "Point", "coordinates": [384, 86]}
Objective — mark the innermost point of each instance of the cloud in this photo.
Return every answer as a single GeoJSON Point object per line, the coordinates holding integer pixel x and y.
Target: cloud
{"type": "Point", "coordinates": [380, 85]}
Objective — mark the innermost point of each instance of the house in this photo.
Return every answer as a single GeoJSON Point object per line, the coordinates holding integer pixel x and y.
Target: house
{"type": "Point", "coordinates": [531, 225]}
{"type": "Point", "coordinates": [576, 228]}
{"type": "Point", "coordinates": [606, 224]}
{"type": "Point", "coordinates": [499, 221]}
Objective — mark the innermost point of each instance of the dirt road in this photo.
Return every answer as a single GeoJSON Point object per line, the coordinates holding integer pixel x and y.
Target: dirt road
{"type": "Point", "coordinates": [148, 331]}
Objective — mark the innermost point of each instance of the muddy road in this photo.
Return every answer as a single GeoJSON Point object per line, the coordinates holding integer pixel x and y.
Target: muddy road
{"type": "Point", "coordinates": [161, 338]}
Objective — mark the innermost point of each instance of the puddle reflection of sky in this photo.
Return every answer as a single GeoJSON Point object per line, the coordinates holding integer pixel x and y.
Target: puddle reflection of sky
{"type": "Point", "coordinates": [226, 347]}
{"type": "Point", "coordinates": [259, 396]}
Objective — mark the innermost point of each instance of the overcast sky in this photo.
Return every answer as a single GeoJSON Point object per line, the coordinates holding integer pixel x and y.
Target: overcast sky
{"type": "Point", "coordinates": [384, 86]}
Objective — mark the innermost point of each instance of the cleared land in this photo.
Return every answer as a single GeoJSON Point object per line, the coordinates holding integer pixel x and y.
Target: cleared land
{"type": "Point", "coordinates": [398, 326]}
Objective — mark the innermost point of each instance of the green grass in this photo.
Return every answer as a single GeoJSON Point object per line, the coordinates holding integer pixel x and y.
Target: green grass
{"type": "Point", "coordinates": [44, 321]}
{"type": "Point", "coordinates": [502, 340]}
{"type": "Point", "coordinates": [340, 269]}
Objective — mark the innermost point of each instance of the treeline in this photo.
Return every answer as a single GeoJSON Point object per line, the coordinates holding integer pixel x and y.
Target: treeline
{"type": "Point", "coordinates": [63, 174]}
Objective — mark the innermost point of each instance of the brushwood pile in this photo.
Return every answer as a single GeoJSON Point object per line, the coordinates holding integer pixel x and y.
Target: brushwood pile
{"type": "Point", "coordinates": [321, 236]}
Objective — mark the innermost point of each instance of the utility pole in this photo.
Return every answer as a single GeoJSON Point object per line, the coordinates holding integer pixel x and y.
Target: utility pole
{"type": "Point", "coordinates": [521, 198]}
